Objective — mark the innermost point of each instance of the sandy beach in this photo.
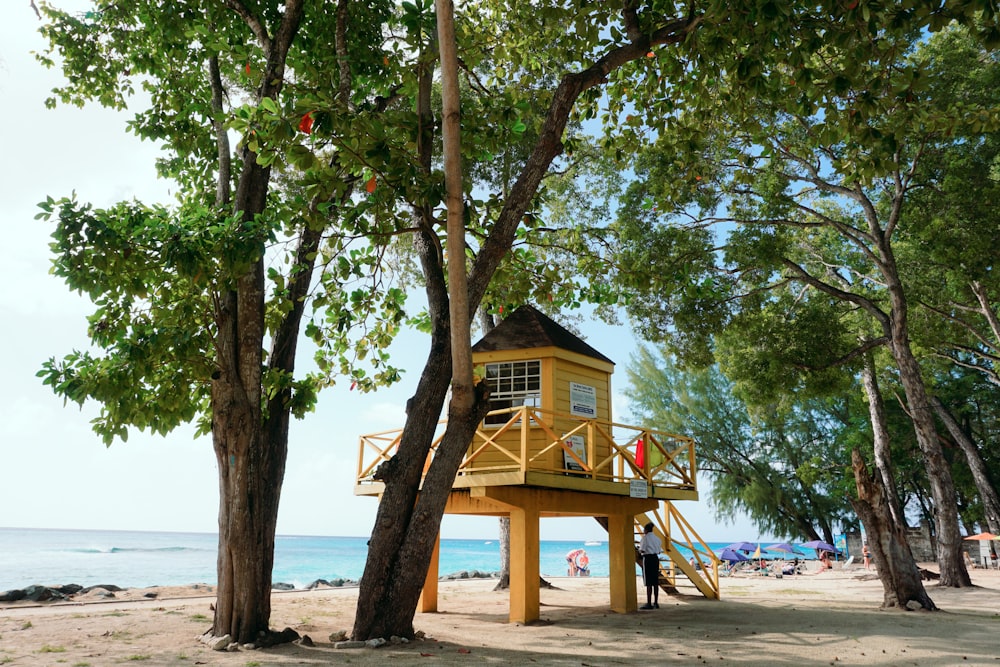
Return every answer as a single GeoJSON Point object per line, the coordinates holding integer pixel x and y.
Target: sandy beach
{"type": "Point", "coordinates": [826, 619]}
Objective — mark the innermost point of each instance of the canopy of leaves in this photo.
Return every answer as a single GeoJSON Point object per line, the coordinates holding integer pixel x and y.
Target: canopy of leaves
{"type": "Point", "coordinates": [784, 466]}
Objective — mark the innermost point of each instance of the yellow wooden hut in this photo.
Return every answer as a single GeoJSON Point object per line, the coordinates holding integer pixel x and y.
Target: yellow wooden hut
{"type": "Point", "coordinates": [548, 448]}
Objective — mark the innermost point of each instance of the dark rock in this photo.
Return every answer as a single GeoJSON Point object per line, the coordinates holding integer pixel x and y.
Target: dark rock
{"type": "Point", "coordinates": [42, 594]}
{"type": "Point", "coordinates": [281, 586]}
{"type": "Point", "coordinates": [306, 641]}
{"type": "Point", "coordinates": [69, 589]}
{"type": "Point", "coordinates": [274, 638]}
{"type": "Point", "coordinates": [318, 583]}
{"type": "Point", "coordinates": [151, 595]}
{"type": "Point", "coordinates": [12, 595]}
{"type": "Point", "coordinates": [108, 587]}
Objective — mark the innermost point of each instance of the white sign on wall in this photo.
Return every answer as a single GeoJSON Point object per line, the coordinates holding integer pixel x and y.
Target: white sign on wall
{"type": "Point", "coordinates": [582, 400]}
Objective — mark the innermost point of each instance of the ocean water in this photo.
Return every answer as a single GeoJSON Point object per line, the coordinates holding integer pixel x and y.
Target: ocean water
{"type": "Point", "coordinates": [133, 559]}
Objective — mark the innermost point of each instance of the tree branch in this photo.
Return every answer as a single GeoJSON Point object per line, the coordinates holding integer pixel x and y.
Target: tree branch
{"type": "Point", "coordinates": [866, 304]}
{"type": "Point", "coordinates": [549, 143]}
{"type": "Point", "coordinates": [254, 22]}
{"type": "Point", "coordinates": [853, 354]}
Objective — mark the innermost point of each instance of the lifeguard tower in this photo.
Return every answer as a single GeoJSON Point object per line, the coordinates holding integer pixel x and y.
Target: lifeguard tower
{"type": "Point", "coordinates": [549, 448]}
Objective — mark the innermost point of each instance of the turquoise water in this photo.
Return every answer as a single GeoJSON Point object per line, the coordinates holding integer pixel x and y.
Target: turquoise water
{"type": "Point", "coordinates": [133, 559]}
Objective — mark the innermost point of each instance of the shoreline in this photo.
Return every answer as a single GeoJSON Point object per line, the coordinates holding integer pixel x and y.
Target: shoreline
{"type": "Point", "coordinates": [828, 618]}
{"type": "Point", "coordinates": [64, 594]}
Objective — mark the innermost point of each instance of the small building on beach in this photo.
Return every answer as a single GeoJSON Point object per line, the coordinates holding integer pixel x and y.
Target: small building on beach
{"type": "Point", "coordinates": [549, 447]}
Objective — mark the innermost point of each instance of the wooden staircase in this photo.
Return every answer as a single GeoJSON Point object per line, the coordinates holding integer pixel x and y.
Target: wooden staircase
{"type": "Point", "coordinates": [674, 531]}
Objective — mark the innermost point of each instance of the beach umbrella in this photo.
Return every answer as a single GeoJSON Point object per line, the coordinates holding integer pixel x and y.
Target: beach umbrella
{"type": "Point", "coordinates": [732, 555]}
{"type": "Point", "coordinates": [784, 547]}
{"type": "Point", "coordinates": [742, 546]}
{"type": "Point", "coordinates": [820, 545]}
{"type": "Point", "coordinates": [983, 536]}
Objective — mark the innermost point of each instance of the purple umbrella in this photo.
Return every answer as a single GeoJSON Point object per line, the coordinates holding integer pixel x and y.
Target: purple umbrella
{"type": "Point", "coordinates": [820, 545]}
{"type": "Point", "coordinates": [742, 546]}
{"type": "Point", "coordinates": [732, 555]}
{"type": "Point", "coordinates": [785, 547]}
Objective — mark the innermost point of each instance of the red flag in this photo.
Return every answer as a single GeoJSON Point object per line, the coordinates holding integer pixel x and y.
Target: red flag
{"type": "Point", "coordinates": [640, 453]}
{"type": "Point", "coordinates": [306, 124]}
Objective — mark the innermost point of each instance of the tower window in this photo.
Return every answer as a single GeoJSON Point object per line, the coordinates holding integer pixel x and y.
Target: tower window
{"type": "Point", "coordinates": [513, 384]}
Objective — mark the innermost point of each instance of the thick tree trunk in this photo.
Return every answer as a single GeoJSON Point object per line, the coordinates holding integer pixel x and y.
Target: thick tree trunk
{"type": "Point", "coordinates": [402, 589]}
{"type": "Point", "coordinates": [251, 468]}
{"type": "Point", "coordinates": [250, 451]}
{"type": "Point", "coordinates": [980, 475]}
{"type": "Point", "coordinates": [901, 582]}
{"type": "Point", "coordinates": [401, 476]}
{"type": "Point", "coordinates": [949, 538]}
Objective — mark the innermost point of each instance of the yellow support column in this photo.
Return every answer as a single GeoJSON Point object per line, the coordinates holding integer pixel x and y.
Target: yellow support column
{"type": "Point", "coordinates": [621, 563]}
{"type": "Point", "coordinates": [524, 555]}
{"type": "Point", "coordinates": [429, 595]}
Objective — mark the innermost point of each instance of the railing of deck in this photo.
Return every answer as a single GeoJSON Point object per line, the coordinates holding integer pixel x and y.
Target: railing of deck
{"type": "Point", "coordinates": [626, 452]}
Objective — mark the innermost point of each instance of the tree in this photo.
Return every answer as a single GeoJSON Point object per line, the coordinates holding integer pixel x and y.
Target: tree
{"type": "Point", "coordinates": [185, 303]}
{"type": "Point", "coordinates": [818, 193]}
{"type": "Point", "coordinates": [946, 259]}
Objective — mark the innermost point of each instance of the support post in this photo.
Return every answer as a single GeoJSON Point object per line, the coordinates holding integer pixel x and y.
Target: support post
{"type": "Point", "coordinates": [429, 595]}
{"type": "Point", "coordinates": [524, 570]}
{"type": "Point", "coordinates": [621, 563]}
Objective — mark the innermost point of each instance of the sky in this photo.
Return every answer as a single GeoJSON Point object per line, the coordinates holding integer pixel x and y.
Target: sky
{"type": "Point", "coordinates": [54, 471]}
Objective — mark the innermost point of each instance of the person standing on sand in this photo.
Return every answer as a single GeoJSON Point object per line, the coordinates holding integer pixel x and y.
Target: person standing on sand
{"type": "Point", "coordinates": [650, 548]}
{"type": "Point", "coordinates": [867, 556]}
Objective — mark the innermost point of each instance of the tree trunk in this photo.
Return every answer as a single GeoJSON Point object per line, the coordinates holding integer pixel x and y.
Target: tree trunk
{"type": "Point", "coordinates": [504, 528]}
{"type": "Point", "coordinates": [901, 582]}
{"type": "Point", "coordinates": [401, 475]}
{"type": "Point", "coordinates": [980, 475]}
{"type": "Point", "coordinates": [250, 450]}
{"type": "Point", "coordinates": [883, 456]}
{"type": "Point", "coordinates": [949, 538]}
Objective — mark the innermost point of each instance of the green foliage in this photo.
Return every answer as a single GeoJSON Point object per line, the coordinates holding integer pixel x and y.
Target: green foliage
{"type": "Point", "coordinates": [829, 206]}
{"type": "Point", "coordinates": [786, 465]}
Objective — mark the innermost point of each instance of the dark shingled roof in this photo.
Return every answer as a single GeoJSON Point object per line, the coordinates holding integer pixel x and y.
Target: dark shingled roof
{"type": "Point", "coordinates": [527, 328]}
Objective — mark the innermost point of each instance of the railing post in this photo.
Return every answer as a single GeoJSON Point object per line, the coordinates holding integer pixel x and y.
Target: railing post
{"type": "Point", "coordinates": [693, 464]}
{"type": "Point", "coordinates": [646, 456]}
{"type": "Point", "coordinates": [361, 458]}
{"type": "Point", "coordinates": [591, 449]}
{"type": "Point", "coordinates": [524, 439]}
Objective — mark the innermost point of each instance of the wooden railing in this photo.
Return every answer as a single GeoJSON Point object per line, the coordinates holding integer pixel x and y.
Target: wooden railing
{"type": "Point", "coordinates": [613, 452]}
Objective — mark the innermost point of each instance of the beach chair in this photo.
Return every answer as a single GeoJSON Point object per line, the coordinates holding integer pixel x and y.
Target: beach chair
{"type": "Point", "coordinates": [847, 563]}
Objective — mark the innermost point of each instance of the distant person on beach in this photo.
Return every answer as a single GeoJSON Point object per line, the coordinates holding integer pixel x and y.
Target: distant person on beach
{"type": "Point", "coordinates": [867, 556]}
{"type": "Point", "coordinates": [824, 562]}
{"type": "Point", "coordinates": [650, 548]}
{"type": "Point", "coordinates": [574, 567]}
